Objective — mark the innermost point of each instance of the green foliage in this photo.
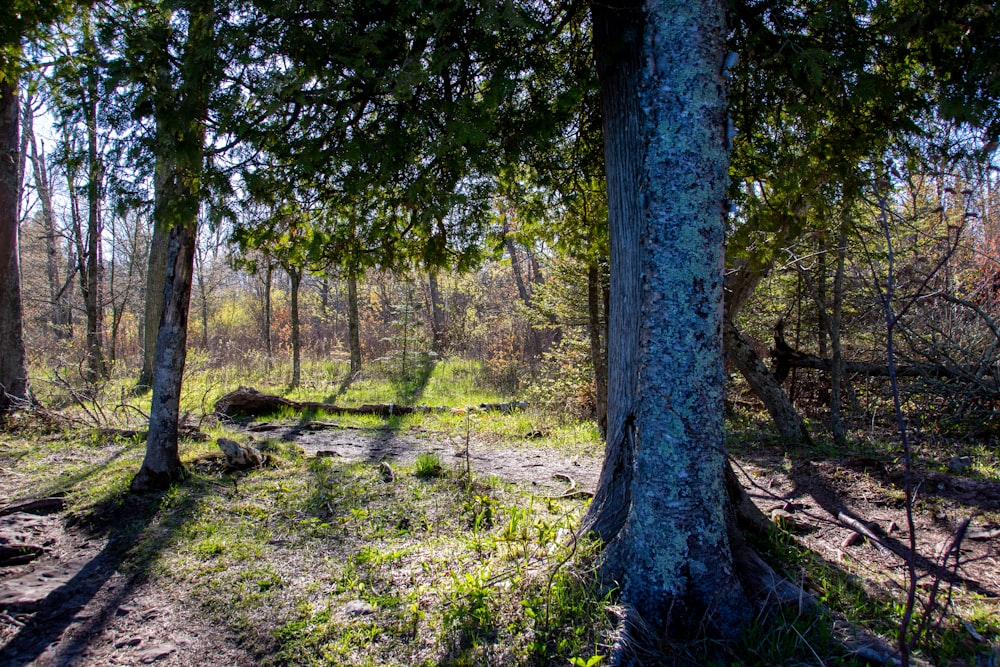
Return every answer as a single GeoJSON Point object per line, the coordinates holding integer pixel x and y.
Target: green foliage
{"type": "Point", "coordinates": [428, 465]}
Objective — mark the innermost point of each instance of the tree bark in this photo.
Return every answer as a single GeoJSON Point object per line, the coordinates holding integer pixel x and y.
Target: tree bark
{"type": "Point", "coordinates": [266, 325]}
{"type": "Point", "coordinates": [353, 324]}
{"type": "Point", "coordinates": [837, 369]}
{"type": "Point", "coordinates": [156, 272]}
{"type": "Point", "coordinates": [93, 265]}
{"type": "Point", "coordinates": [618, 51]}
{"type": "Point", "coordinates": [671, 555]}
{"type": "Point", "coordinates": [14, 389]}
{"type": "Point", "coordinates": [58, 306]}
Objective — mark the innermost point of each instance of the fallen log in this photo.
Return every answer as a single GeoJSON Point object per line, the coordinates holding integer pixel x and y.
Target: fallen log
{"type": "Point", "coordinates": [248, 402]}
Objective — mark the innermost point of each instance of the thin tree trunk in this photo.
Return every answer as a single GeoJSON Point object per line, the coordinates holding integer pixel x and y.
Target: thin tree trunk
{"type": "Point", "coordinates": [14, 389]}
{"type": "Point", "coordinates": [295, 277]}
{"type": "Point", "coordinates": [57, 305]}
{"type": "Point", "coordinates": [353, 324]}
{"type": "Point", "coordinates": [199, 258]}
{"type": "Point", "coordinates": [437, 319]}
{"type": "Point", "coordinates": [596, 345]}
{"type": "Point", "coordinates": [93, 302]}
{"type": "Point", "coordinates": [268, 274]}
{"type": "Point", "coordinates": [515, 265]}
{"type": "Point", "coordinates": [837, 371]}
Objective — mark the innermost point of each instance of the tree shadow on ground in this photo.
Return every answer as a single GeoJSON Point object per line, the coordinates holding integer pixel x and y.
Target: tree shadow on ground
{"type": "Point", "coordinates": [136, 529]}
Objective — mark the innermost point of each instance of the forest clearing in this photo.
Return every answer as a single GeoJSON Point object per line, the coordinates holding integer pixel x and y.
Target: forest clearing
{"type": "Point", "coordinates": [521, 332]}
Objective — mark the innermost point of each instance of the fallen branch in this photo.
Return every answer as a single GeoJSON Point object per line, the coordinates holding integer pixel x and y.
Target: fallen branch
{"type": "Point", "coordinates": [248, 402]}
{"type": "Point", "coordinates": [39, 506]}
{"type": "Point", "coordinates": [863, 530]}
{"type": "Point", "coordinates": [572, 491]}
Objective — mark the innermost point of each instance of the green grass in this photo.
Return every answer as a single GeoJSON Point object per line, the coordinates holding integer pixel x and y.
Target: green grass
{"type": "Point", "coordinates": [456, 571]}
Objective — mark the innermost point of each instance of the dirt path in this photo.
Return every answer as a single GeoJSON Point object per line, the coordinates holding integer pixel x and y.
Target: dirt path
{"type": "Point", "coordinates": [73, 607]}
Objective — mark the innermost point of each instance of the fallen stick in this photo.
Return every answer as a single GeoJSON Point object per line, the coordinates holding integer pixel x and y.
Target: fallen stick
{"type": "Point", "coordinates": [863, 530]}
{"type": "Point", "coordinates": [572, 491]}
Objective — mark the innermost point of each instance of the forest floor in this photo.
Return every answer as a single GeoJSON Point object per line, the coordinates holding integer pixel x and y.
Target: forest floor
{"type": "Point", "coordinates": [89, 599]}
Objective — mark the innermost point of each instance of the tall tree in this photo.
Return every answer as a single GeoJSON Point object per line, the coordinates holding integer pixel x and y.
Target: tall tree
{"type": "Point", "coordinates": [182, 142]}
{"type": "Point", "coordinates": [661, 501]}
{"type": "Point", "coordinates": [18, 21]}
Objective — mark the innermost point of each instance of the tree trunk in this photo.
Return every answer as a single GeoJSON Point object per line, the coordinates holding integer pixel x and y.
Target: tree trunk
{"type": "Point", "coordinates": [199, 258]}
{"type": "Point", "coordinates": [93, 302]}
{"type": "Point", "coordinates": [789, 423]}
{"type": "Point", "coordinates": [837, 370]}
{"type": "Point", "coordinates": [596, 346]}
{"type": "Point", "coordinates": [515, 265]}
{"type": "Point", "coordinates": [57, 301]}
{"type": "Point", "coordinates": [295, 277]}
{"type": "Point", "coordinates": [353, 324]}
{"type": "Point", "coordinates": [618, 51]}
{"type": "Point", "coordinates": [672, 553]}
{"type": "Point", "coordinates": [268, 275]}
{"type": "Point", "coordinates": [14, 390]}
{"type": "Point", "coordinates": [162, 465]}
{"type": "Point", "coordinates": [437, 317]}
{"type": "Point", "coordinates": [183, 148]}
{"type": "Point", "coordinates": [156, 272]}
{"type": "Point", "coordinates": [740, 283]}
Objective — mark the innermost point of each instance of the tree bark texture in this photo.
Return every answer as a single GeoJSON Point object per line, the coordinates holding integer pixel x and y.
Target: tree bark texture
{"type": "Point", "coordinates": [671, 557]}
{"type": "Point", "coordinates": [14, 388]}
{"type": "Point", "coordinates": [618, 51]}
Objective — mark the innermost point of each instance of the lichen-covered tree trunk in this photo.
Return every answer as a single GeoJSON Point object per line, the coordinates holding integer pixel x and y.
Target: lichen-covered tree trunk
{"type": "Point", "coordinates": [13, 368]}
{"type": "Point", "coordinates": [671, 556]}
